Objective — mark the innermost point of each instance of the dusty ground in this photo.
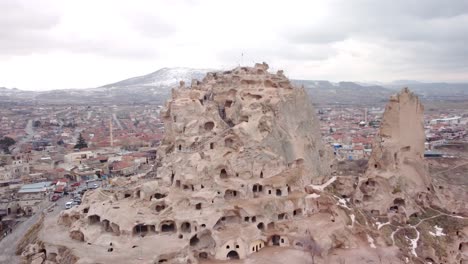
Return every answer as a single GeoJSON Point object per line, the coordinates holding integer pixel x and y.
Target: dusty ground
{"type": "Point", "coordinates": [8, 244]}
{"type": "Point", "coordinates": [125, 250]}
{"type": "Point", "coordinates": [277, 255]}
{"type": "Point", "coordinates": [453, 169]}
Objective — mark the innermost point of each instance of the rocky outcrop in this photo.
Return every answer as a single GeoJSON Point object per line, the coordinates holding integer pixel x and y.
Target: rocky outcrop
{"type": "Point", "coordinates": [239, 149]}
{"type": "Point", "coordinates": [242, 168]}
{"type": "Point", "coordinates": [397, 179]}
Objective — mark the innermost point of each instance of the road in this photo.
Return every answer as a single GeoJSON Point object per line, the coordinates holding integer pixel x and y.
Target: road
{"type": "Point", "coordinates": [117, 121]}
{"type": "Point", "coordinates": [9, 243]}
{"type": "Point", "coordinates": [29, 132]}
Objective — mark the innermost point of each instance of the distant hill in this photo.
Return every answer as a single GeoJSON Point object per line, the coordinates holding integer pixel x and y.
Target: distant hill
{"type": "Point", "coordinates": [155, 88]}
{"type": "Point", "coordinates": [163, 78]}
{"type": "Point", "coordinates": [435, 91]}
{"type": "Point", "coordinates": [348, 93]}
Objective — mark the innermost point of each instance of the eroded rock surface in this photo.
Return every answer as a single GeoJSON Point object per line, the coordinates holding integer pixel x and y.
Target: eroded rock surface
{"type": "Point", "coordinates": [397, 176]}
{"type": "Point", "coordinates": [243, 174]}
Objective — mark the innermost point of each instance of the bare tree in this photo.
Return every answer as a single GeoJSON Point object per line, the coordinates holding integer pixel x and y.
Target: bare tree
{"type": "Point", "coordinates": [310, 245]}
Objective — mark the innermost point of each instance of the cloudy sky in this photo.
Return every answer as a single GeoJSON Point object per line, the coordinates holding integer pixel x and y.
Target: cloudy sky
{"type": "Point", "coordinates": [54, 44]}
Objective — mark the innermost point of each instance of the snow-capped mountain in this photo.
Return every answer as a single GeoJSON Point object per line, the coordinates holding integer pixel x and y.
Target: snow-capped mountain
{"type": "Point", "coordinates": [164, 78]}
{"type": "Point", "coordinates": [155, 88]}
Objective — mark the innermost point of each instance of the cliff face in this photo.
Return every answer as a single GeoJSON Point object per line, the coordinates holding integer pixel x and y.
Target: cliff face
{"type": "Point", "coordinates": [401, 137]}
{"type": "Point", "coordinates": [397, 175]}
{"type": "Point", "coordinates": [242, 169]}
{"type": "Point", "coordinates": [244, 124]}
{"type": "Point", "coordinates": [239, 149]}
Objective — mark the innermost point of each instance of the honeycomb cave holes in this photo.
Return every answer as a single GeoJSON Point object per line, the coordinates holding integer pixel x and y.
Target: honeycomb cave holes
{"type": "Point", "coordinates": [223, 174]}
{"type": "Point", "coordinates": [261, 226]}
{"type": "Point", "coordinates": [228, 103]}
{"type": "Point", "coordinates": [209, 126]}
{"type": "Point", "coordinates": [185, 227]}
{"type": "Point", "coordinates": [232, 255]}
{"type": "Point", "coordinates": [168, 227]}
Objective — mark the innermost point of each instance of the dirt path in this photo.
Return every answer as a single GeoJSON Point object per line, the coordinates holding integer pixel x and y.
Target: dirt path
{"type": "Point", "coordinates": [9, 243]}
{"type": "Point", "coordinates": [444, 171]}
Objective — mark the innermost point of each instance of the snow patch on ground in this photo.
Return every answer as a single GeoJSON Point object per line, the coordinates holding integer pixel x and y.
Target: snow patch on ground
{"type": "Point", "coordinates": [323, 186]}
{"type": "Point", "coordinates": [371, 241]}
{"type": "Point", "coordinates": [342, 202]}
{"type": "Point", "coordinates": [380, 225]}
{"type": "Point", "coordinates": [414, 243]}
{"type": "Point", "coordinates": [438, 231]}
{"type": "Point", "coordinates": [353, 219]}
{"type": "Point", "coordinates": [313, 196]}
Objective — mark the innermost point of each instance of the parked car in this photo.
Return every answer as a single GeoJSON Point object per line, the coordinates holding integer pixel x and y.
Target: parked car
{"type": "Point", "coordinates": [54, 197]}
{"type": "Point", "coordinates": [68, 205]}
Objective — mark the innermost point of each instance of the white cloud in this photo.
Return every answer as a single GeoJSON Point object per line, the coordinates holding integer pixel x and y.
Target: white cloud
{"type": "Point", "coordinates": [77, 44]}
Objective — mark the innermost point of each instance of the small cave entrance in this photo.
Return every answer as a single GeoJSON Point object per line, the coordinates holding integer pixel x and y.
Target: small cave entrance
{"type": "Point", "coordinates": [244, 119]}
{"type": "Point", "coordinates": [159, 196]}
{"type": "Point", "coordinates": [212, 145]}
{"type": "Point", "coordinates": [138, 194]}
{"type": "Point", "coordinates": [198, 206]}
{"type": "Point", "coordinates": [230, 194]}
{"type": "Point", "coordinates": [399, 202]}
{"type": "Point", "coordinates": [297, 212]}
{"type": "Point", "coordinates": [257, 188]}
{"type": "Point", "coordinates": [232, 255]}
{"type": "Point", "coordinates": [275, 240]}
{"type": "Point", "coordinates": [393, 209]}
{"type": "Point", "coordinates": [106, 225]}
{"type": "Point", "coordinates": [143, 230]}
{"type": "Point", "coordinates": [168, 227]}
{"type": "Point", "coordinates": [278, 192]}
{"type": "Point", "coordinates": [185, 227]}
{"type": "Point", "coordinates": [228, 103]}
{"type": "Point", "coordinates": [282, 216]}
{"type": "Point", "coordinates": [261, 226]}
{"type": "Point", "coordinates": [94, 219]}
{"type": "Point", "coordinates": [194, 241]}
{"type": "Point", "coordinates": [223, 174]}
{"type": "Point", "coordinates": [160, 207]}
{"type": "Point", "coordinates": [209, 126]}
{"type": "Point", "coordinates": [127, 195]}
{"type": "Point", "coordinates": [203, 255]}
{"type": "Point", "coordinates": [261, 174]}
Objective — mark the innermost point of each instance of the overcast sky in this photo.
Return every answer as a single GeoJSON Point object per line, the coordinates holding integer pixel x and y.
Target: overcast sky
{"type": "Point", "coordinates": [54, 44]}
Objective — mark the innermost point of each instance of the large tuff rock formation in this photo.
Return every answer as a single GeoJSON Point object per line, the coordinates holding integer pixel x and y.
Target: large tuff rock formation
{"type": "Point", "coordinates": [239, 149]}
{"type": "Point", "coordinates": [397, 175]}
{"type": "Point", "coordinates": [242, 169]}
{"type": "Point", "coordinates": [241, 125]}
